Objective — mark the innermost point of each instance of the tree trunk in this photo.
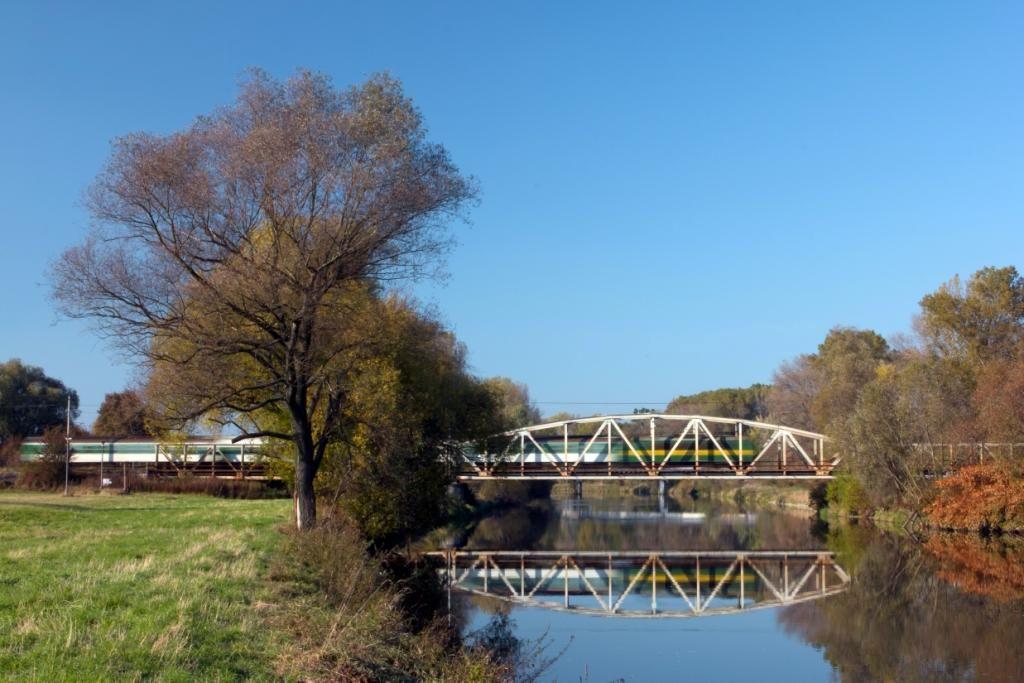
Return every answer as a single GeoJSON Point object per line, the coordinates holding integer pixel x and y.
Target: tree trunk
{"type": "Point", "coordinates": [305, 496]}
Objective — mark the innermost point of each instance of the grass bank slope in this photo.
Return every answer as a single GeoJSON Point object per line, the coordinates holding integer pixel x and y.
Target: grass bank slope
{"type": "Point", "coordinates": [134, 587]}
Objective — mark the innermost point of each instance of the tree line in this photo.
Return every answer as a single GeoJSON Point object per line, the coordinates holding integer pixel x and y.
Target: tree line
{"type": "Point", "coordinates": [895, 406]}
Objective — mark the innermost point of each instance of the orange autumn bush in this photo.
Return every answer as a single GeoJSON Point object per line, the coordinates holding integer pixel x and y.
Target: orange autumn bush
{"type": "Point", "coordinates": [987, 497]}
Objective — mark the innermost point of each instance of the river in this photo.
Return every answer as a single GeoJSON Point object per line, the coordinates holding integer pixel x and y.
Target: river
{"type": "Point", "coordinates": [637, 591]}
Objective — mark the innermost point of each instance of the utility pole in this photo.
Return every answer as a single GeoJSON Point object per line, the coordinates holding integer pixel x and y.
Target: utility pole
{"type": "Point", "coordinates": [67, 447]}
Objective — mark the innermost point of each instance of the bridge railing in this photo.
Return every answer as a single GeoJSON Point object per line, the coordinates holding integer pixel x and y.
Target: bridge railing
{"type": "Point", "coordinates": [940, 457]}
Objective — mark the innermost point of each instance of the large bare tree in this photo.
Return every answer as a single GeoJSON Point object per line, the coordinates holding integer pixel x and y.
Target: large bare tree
{"type": "Point", "coordinates": [234, 245]}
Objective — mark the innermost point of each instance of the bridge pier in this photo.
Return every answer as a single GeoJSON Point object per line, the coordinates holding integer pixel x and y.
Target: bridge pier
{"type": "Point", "coordinates": [662, 508]}
{"type": "Point", "coordinates": [577, 489]}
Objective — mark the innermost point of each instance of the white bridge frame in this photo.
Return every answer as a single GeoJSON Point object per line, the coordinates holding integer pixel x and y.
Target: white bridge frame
{"type": "Point", "coordinates": [786, 439]}
{"type": "Point", "coordinates": [805, 575]}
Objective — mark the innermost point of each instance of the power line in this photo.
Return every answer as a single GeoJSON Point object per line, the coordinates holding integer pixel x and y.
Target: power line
{"type": "Point", "coordinates": [599, 403]}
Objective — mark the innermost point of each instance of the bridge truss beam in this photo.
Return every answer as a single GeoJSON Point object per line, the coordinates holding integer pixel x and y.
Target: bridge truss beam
{"type": "Point", "coordinates": [543, 451]}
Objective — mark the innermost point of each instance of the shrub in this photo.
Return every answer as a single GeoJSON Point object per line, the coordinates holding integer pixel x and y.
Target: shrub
{"type": "Point", "coordinates": [10, 452]}
{"type": "Point", "coordinates": [846, 495]}
{"type": "Point", "coordinates": [346, 615]}
{"type": "Point", "coordinates": [211, 486]}
{"type": "Point", "coordinates": [988, 497]}
{"type": "Point", "coordinates": [48, 470]}
{"type": "Point", "coordinates": [504, 492]}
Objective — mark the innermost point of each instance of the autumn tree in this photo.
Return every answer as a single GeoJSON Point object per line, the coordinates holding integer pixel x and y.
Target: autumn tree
{"type": "Point", "coordinates": [232, 246]}
{"type": "Point", "coordinates": [122, 413]}
{"type": "Point", "coordinates": [408, 402]}
{"type": "Point", "coordinates": [513, 400]}
{"type": "Point", "coordinates": [998, 399]}
{"type": "Point", "coordinates": [819, 391]}
{"type": "Point", "coordinates": [795, 385]}
{"type": "Point", "coordinates": [888, 439]}
{"type": "Point", "coordinates": [31, 401]}
{"type": "Point", "coordinates": [978, 321]}
{"type": "Point", "coordinates": [847, 359]}
{"type": "Point", "coordinates": [979, 327]}
{"type": "Point", "coordinates": [747, 403]}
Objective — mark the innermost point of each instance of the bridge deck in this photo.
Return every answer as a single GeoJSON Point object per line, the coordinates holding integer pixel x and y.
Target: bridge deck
{"type": "Point", "coordinates": [628, 471]}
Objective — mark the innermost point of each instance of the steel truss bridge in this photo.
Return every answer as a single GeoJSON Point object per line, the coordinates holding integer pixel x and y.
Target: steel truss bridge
{"type": "Point", "coordinates": [645, 584]}
{"type": "Point", "coordinates": [649, 446]}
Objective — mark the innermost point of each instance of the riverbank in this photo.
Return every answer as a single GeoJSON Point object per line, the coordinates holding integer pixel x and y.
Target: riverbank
{"type": "Point", "coordinates": [751, 494]}
{"type": "Point", "coordinates": [166, 587]}
{"type": "Point", "coordinates": [978, 499]}
{"type": "Point", "coordinates": [744, 494]}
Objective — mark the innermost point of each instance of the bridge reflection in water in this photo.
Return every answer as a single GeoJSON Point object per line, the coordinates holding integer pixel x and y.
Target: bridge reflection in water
{"type": "Point", "coordinates": [645, 584]}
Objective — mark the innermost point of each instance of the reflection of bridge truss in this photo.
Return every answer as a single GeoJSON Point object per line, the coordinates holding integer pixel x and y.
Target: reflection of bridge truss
{"type": "Point", "coordinates": [646, 584]}
{"type": "Point", "coordinates": [650, 446]}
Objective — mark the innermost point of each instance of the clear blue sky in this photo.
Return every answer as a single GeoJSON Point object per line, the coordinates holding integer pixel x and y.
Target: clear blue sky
{"type": "Point", "coordinates": [675, 197]}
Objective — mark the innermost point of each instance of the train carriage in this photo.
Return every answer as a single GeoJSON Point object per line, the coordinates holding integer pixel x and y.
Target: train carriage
{"type": "Point", "coordinates": [558, 449]}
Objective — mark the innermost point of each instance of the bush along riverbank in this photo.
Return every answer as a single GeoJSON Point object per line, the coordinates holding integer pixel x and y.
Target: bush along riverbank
{"type": "Point", "coordinates": [751, 494]}
{"type": "Point", "coordinates": [988, 498]}
{"type": "Point", "coordinates": [985, 498]}
{"type": "Point", "coordinates": [344, 614]}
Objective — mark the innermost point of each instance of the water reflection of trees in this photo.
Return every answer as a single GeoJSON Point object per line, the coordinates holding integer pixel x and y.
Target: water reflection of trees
{"type": "Point", "coordinates": [921, 613]}
{"type": "Point", "coordinates": [990, 567]}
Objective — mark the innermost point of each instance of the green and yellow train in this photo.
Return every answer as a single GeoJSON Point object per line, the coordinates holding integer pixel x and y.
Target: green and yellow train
{"type": "Point", "coordinates": [602, 450]}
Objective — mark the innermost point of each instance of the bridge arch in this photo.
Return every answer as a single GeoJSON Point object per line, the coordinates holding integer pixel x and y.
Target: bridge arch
{"type": "Point", "coordinates": [649, 446]}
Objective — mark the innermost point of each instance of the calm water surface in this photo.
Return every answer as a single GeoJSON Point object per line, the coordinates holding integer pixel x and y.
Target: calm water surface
{"type": "Point", "coordinates": [633, 591]}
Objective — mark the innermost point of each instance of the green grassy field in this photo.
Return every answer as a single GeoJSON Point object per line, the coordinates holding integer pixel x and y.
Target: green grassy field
{"type": "Point", "coordinates": [142, 587]}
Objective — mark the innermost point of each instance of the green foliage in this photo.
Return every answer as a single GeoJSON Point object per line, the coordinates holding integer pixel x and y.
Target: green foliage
{"type": "Point", "coordinates": [30, 401]}
{"type": "Point", "coordinates": [847, 359]}
{"type": "Point", "coordinates": [849, 542]}
{"type": "Point", "coordinates": [845, 495]}
{"type": "Point", "coordinates": [748, 403]}
{"type": "Point", "coordinates": [406, 403]}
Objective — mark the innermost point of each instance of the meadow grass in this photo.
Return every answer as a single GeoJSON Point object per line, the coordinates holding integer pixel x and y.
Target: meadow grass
{"type": "Point", "coordinates": [139, 587]}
